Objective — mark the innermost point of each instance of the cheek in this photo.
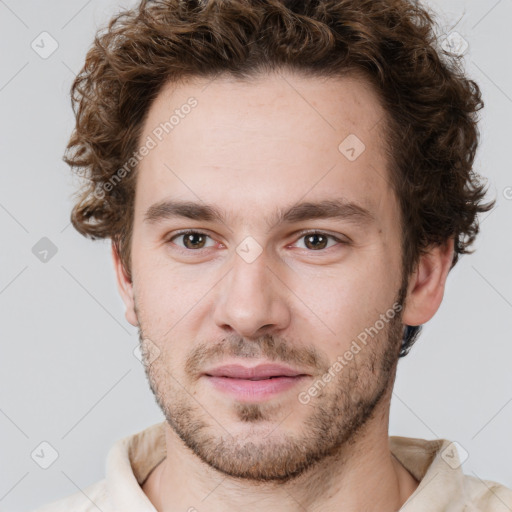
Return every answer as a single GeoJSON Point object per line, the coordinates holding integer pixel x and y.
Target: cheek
{"type": "Point", "coordinates": [347, 302]}
{"type": "Point", "coordinates": [155, 297]}
{"type": "Point", "coordinates": [168, 298]}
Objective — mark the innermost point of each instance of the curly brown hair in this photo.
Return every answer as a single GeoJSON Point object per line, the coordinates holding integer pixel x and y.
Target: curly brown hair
{"type": "Point", "coordinates": [430, 130]}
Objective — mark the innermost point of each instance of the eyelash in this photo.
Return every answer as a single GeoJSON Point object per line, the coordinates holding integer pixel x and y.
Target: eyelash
{"type": "Point", "coordinates": [300, 235]}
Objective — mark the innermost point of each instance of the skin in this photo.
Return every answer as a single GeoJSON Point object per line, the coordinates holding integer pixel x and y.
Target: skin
{"type": "Point", "coordinates": [249, 148]}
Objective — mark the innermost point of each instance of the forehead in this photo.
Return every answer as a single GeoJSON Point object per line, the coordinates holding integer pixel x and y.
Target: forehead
{"type": "Point", "coordinates": [277, 137]}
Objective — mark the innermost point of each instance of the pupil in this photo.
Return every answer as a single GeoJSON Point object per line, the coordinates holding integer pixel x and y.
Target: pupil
{"type": "Point", "coordinates": [190, 238]}
{"type": "Point", "coordinates": [316, 236]}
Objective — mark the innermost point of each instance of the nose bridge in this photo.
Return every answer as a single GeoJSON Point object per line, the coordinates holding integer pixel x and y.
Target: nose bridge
{"type": "Point", "coordinates": [248, 298]}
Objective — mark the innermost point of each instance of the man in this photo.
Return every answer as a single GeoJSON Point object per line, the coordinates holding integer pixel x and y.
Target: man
{"type": "Point", "coordinates": [287, 186]}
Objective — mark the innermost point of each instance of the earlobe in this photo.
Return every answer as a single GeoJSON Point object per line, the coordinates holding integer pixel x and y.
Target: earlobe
{"type": "Point", "coordinates": [426, 285]}
{"type": "Point", "coordinates": [124, 286]}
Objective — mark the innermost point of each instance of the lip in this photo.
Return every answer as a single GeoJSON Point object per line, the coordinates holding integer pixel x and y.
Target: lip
{"type": "Point", "coordinates": [254, 384]}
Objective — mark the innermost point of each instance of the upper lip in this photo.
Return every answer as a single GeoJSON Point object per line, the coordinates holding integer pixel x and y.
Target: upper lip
{"type": "Point", "coordinates": [261, 371]}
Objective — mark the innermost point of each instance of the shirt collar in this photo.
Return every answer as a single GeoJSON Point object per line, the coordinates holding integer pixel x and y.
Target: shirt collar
{"type": "Point", "coordinates": [129, 462]}
{"type": "Point", "coordinates": [436, 465]}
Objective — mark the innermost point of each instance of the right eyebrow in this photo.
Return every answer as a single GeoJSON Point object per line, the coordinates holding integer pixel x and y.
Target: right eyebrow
{"type": "Point", "coordinates": [186, 209]}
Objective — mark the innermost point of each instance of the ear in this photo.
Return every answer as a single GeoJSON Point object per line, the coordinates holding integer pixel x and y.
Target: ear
{"type": "Point", "coordinates": [125, 287]}
{"type": "Point", "coordinates": [426, 284]}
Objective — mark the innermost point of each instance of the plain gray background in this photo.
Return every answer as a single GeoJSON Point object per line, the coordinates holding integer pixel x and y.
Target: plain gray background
{"type": "Point", "coordinates": [68, 373]}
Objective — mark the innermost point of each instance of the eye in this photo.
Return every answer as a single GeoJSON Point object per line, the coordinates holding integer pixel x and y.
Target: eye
{"type": "Point", "coordinates": [191, 239]}
{"type": "Point", "coordinates": [318, 240]}
{"type": "Point", "coordinates": [314, 240]}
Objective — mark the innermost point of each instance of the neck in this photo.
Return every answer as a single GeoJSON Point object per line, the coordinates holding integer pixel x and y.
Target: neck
{"type": "Point", "coordinates": [362, 475]}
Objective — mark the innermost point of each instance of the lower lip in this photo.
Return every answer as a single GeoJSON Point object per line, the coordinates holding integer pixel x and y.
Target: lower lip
{"type": "Point", "coordinates": [254, 390]}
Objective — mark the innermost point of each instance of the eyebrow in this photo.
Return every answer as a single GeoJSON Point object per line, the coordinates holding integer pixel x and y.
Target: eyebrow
{"type": "Point", "coordinates": [339, 208]}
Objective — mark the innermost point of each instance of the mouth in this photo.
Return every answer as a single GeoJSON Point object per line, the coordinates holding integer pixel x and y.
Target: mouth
{"type": "Point", "coordinates": [259, 372]}
{"type": "Point", "coordinates": [256, 383]}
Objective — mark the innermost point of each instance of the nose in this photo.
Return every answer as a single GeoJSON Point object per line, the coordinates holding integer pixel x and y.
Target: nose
{"type": "Point", "coordinates": [251, 299]}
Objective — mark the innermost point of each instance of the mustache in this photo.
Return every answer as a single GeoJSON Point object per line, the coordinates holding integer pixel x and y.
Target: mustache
{"type": "Point", "coordinates": [265, 347]}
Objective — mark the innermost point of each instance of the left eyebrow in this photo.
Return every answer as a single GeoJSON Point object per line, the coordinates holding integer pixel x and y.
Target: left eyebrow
{"type": "Point", "coordinates": [328, 209]}
{"type": "Point", "coordinates": [338, 208]}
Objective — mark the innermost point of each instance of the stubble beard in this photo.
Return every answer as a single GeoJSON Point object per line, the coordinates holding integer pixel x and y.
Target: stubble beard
{"type": "Point", "coordinates": [336, 415]}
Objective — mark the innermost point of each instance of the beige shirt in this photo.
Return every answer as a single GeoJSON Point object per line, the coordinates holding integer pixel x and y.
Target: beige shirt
{"type": "Point", "coordinates": [435, 464]}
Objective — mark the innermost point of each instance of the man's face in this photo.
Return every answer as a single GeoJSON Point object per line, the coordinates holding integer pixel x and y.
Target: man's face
{"type": "Point", "coordinates": [251, 288]}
